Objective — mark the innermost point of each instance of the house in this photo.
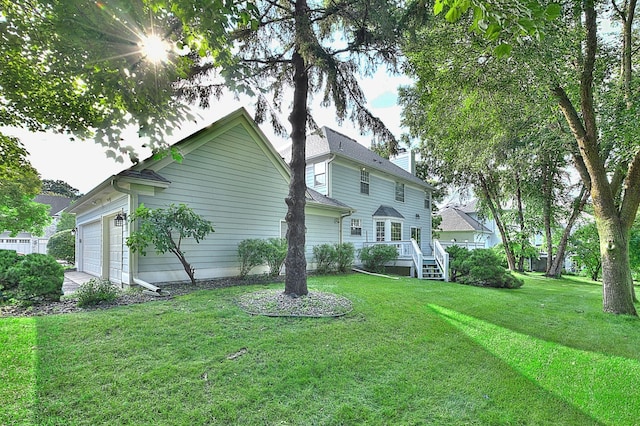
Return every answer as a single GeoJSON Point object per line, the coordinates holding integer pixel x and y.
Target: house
{"type": "Point", "coordinates": [27, 243]}
{"type": "Point", "coordinates": [231, 175]}
{"type": "Point", "coordinates": [390, 204]}
{"type": "Point", "coordinates": [462, 226]}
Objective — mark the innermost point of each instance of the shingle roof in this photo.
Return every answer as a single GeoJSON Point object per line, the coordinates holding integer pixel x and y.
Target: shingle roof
{"type": "Point", "coordinates": [57, 202]}
{"type": "Point", "coordinates": [387, 211]}
{"type": "Point", "coordinates": [145, 174]}
{"type": "Point", "coordinates": [331, 142]}
{"type": "Point", "coordinates": [314, 195]}
{"type": "Point", "coordinates": [454, 219]}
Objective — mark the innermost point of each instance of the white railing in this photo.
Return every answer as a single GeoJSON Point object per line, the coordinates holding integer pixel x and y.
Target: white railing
{"type": "Point", "coordinates": [406, 250]}
{"type": "Point", "coordinates": [417, 257]}
{"type": "Point", "coordinates": [471, 245]}
{"type": "Point", "coordinates": [442, 257]}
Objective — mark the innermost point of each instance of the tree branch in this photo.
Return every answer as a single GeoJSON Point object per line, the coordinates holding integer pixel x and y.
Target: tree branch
{"type": "Point", "coordinates": [631, 198]}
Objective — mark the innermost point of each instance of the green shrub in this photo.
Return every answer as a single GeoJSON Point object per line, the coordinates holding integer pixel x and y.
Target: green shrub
{"type": "Point", "coordinates": [275, 252]}
{"type": "Point", "coordinates": [325, 256]}
{"type": "Point", "coordinates": [482, 268]}
{"type": "Point", "coordinates": [39, 276]}
{"type": "Point", "coordinates": [251, 255]}
{"type": "Point", "coordinates": [8, 259]}
{"type": "Point", "coordinates": [374, 257]}
{"type": "Point", "coordinates": [96, 291]}
{"type": "Point", "coordinates": [457, 256]}
{"type": "Point", "coordinates": [345, 255]}
{"type": "Point", "coordinates": [62, 246]}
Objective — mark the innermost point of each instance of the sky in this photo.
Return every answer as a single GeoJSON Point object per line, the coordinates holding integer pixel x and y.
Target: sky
{"type": "Point", "coordinates": [84, 164]}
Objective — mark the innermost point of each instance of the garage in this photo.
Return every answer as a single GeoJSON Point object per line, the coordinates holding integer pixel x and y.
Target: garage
{"type": "Point", "coordinates": [91, 248]}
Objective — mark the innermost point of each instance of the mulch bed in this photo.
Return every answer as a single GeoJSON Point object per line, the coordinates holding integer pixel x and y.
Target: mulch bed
{"type": "Point", "coordinates": [266, 302]}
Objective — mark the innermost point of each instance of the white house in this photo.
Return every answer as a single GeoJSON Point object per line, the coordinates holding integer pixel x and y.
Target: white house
{"type": "Point", "coordinates": [26, 242]}
{"type": "Point", "coordinates": [231, 175]}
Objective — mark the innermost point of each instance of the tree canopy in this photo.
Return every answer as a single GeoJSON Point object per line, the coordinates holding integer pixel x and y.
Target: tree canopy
{"type": "Point", "coordinates": [19, 185]}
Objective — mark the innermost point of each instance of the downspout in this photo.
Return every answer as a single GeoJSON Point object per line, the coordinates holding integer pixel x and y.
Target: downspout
{"type": "Point", "coordinates": [342, 216]}
{"type": "Point", "coordinates": [157, 290]}
{"type": "Point", "coordinates": [329, 177]}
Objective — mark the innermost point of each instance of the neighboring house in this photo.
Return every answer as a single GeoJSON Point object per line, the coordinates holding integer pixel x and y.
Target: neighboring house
{"type": "Point", "coordinates": [230, 174]}
{"type": "Point", "coordinates": [27, 243]}
{"type": "Point", "coordinates": [390, 204]}
{"type": "Point", "coordinates": [462, 226]}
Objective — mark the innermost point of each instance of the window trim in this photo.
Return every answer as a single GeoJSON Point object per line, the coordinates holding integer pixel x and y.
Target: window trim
{"type": "Point", "coordinates": [392, 231]}
{"type": "Point", "coordinates": [399, 185]}
{"type": "Point", "coordinates": [365, 181]}
{"type": "Point", "coordinates": [356, 227]}
{"type": "Point", "coordinates": [317, 173]}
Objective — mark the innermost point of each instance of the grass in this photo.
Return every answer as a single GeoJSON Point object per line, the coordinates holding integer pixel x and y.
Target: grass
{"type": "Point", "coordinates": [411, 352]}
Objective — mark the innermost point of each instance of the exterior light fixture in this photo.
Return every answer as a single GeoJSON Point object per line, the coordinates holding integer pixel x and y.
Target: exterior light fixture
{"type": "Point", "coordinates": [417, 216]}
{"type": "Point", "coordinates": [120, 218]}
{"type": "Point", "coordinates": [74, 231]}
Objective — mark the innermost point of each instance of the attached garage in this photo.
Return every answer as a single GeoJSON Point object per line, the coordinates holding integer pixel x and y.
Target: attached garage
{"type": "Point", "coordinates": [91, 248]}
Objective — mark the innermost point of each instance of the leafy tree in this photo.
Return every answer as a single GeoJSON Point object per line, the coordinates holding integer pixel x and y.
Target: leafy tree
{"type": "Point", "coordinates": [67, 221]}
{"type": "Point", "coordinates": [87, 67]}
{"type": "Point", "coordinates": [62, 246]}
{"type": "Point", "coordinates": [19, 185]}
{"type": "Point", "coordinates": [165, 229]}
{"type": "Point", "coordinates": [60, 187]}
{"type": "Point", "coordinates": [310, 48]}
{"type": "Point", "coordinates": [585, 245]}
{"type": "Point", "coordinates": [607, 157]}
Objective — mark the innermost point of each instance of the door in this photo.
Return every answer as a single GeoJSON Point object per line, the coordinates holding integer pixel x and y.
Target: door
{"type": "Point", "coordinates": [90, 248]}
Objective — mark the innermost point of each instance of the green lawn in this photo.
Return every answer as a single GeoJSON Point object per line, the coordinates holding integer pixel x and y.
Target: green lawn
{"type": "Point", "coordinates": [411, 352]}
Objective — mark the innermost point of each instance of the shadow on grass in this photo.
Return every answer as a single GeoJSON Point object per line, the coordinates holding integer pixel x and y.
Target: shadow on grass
{"type": "Point", "coordinates": [601, 386]}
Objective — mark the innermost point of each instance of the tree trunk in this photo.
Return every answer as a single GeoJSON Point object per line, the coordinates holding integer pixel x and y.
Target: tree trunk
{"type": "Point", "coordinates": [617, 290]}
{"type": "Point", "coordinates": [523, 234]}
{"type": "Point", "coordinates": [556, 268]}
{"type": "Point", "coordinates": [296, 263]}
{"type": "Point", "coordinates": [489, 198]}
{"type": "Point", "coordinates": [547, 212]}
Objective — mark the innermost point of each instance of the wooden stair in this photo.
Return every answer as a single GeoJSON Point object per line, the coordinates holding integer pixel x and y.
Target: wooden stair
{"type": "Point", "coordinates": [431, 270]}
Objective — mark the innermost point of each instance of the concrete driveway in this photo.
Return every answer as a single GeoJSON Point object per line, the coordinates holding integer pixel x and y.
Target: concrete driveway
{"type": "Point", "coordinates": [73, 280]}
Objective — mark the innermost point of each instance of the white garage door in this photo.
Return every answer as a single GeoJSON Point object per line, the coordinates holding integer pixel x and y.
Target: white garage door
{"type": "Point", "coordinates": [91, 248]}
{"type": "Point", "coordinates": [115, 252]}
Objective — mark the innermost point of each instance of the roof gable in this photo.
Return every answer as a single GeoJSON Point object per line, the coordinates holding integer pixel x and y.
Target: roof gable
{"type": "Point", "coordinates": [331, 142]}
{"type": "Point", "coordinates": [454, 219]}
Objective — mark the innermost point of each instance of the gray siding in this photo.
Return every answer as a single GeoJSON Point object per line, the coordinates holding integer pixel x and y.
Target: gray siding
{"type": "Point", "coordinates": [320, 230]}
{"type": "Point", "coordinates": [231, 182]}
{"type": "Point", "coordinates": [345, 187]}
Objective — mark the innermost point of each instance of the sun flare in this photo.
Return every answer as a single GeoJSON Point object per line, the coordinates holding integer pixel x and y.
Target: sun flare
{"type": "Point", "coordinates": [154, 48]}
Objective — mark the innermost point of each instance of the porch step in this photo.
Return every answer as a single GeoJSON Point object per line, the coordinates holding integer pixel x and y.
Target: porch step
{"type": "Point", "coordinates": [431, 271]}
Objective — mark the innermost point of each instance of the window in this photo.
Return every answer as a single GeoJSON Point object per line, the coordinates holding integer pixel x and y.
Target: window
{"type": "Point", "coordinates": [379, 230]}
{"type": "Point", "coordinates": [364, 182]}
{"type": "Point", "coordinates": [427, 200]}
{"type": "Point", "coordinates": [416, 234]}
{"type": "Point", "coordinates": [319, 174]}
{"type": "Point", "coordinates": [400, 192]}
{"type": "Point", "coordinates": [396, 231]}
{"type": "Point", "coordinates": [356, 227]}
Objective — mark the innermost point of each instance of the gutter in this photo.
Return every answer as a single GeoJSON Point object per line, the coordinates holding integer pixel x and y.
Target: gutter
{"type": "Point", "coordinates": [156, 290]}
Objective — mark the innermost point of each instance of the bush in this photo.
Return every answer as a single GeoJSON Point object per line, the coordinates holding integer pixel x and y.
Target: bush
{"type": "Point", "coordinates": [251, 255]}
{"type": "Point", "coordinates": [62, 246]}
{"type": "Point", "coordinates": [275, 252]}
{"type": "Point", "coordinates": [254, 252]}
{"type": "Point", "coordinates": [482, 268]}
{"type": "Point", "coordinates": [374, 257]}
{"type": "Point", "coordinates": [95, 291]}
{"type": "Point", "coordinates": [457, 256]}
{"type": "Point", "coordinates": [345, 255]}
{"type": "Point", "coordinates": [8, 259]}
{"type": "Point", "coordinates": [39, 276]}
{"type": "Point", "coordinates": [325, 256]}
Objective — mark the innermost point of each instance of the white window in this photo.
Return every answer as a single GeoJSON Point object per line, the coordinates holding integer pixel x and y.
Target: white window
{"type": "Point", "coordinates": [427, 200]}
{"type": "Point", "coordinates": [364, 182]}
{"type": "Point", "coordinates": [356, 226]}
{"type": "Point", "coordinates": [379, 230]}
{"type": "Point", "coordinates": [400, 192]}
{"type": "Point", "coordinates": [396, 231]}
{"type": "Point", "coordinates": [319, 174]}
